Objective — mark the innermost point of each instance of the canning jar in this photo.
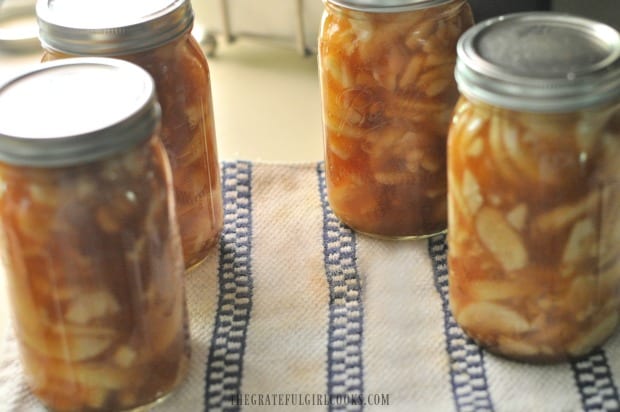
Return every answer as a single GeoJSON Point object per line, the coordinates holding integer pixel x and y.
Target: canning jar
{"type": "Point", "coordinates": [156, 36]}
{"type": "Point", "coordinates": [88, 236]}
{"type": "Point", "coordinates": [534, 195]}
{"type": "Point", "coordinates": [388, 91]}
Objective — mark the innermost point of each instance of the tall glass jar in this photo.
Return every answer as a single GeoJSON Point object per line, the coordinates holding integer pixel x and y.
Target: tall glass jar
{"type": "Point", "coordinates": [534, 195]}
{"type": "Point", "coordinates": [156, 36]}
{"type": "Point", "coordinates": [88, 236]}
{"type": "Point", "coordinates": [388, 91]}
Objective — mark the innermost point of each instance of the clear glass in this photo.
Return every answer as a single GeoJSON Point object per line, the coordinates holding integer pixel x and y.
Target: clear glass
{"type": "Point", "coordinates": [388, 92]}
{"type": "Point", "coordinates": [182, 78]}
{"type": "Point", "coordinates": [95, 280]}
{"type": "Point", "coordinates": [534, 229]}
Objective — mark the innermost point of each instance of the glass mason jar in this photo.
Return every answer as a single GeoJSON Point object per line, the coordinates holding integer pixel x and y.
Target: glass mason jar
{"type": "Point", "coordinates": [157, 37]}
{"type": "Point", "coordinates": [388, 91]}
{"type": "Point", "coordinates": [88, 236]}
{"type": "Point", "coordinates": [534, 194]}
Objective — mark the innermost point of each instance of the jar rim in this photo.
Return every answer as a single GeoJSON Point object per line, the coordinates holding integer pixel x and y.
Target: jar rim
{"type": "Point", "coordinates": [540, 61]}
{"type": "Point", "coordinates": [74, 111]}
{"type": "Point", "coordinates": [387, 6]}
{"type": "Point", "coordinates": [93, 29]}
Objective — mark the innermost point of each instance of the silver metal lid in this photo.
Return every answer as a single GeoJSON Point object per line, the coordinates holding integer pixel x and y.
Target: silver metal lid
{"type": "Point", "coordinates": [76, 110]}
{"type": "Point", "coordinates": [540, 62]}
{"type": "Point", "coordinates": [387, 6]}
{"type": "Point", "coordinates": [111, 27]}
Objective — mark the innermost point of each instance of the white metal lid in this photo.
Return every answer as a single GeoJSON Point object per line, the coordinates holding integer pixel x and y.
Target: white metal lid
{"type": "Point", "coordinates": [111, 27]}
{"type": "Point", "coordinates": [387, 6]}
{"type": "Point", "coordinates": [541, 62]}
{"type": "Point", "coordinates": [76, 110]}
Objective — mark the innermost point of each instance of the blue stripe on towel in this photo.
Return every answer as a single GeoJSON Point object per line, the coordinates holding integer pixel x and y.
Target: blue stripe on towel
{"type": "Point", "coordinates": [596, 383]}
{"type": "Point", "coordinates": [225, 363]}
{"type": "Point", "coordinates": [467, 370]}
{"type": "Point", "coordinates": [345, 371]}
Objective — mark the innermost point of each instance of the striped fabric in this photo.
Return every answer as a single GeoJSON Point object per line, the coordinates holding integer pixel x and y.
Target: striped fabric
{"type": "Point", "coordinates": [344, 347]}
{"type": "Point", "coordinates": [467, 373]}
{"type": "Point", "coordinates": [295, 312]}
{"type": "Point", "coordinates": [223, 377]}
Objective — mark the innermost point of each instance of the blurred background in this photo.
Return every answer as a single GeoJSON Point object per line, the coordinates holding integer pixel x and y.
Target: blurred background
{"type": "Point", "coordinates": [263, 65]}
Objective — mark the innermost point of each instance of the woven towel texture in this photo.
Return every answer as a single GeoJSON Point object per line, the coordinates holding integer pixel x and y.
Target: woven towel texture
{"type": "Point", "coordinates": [293, 308]}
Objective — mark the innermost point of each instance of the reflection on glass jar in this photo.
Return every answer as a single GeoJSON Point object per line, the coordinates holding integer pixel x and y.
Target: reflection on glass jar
{"type": "Point", "coordinates": [388, 92]}
{"type": "Point", "coordinates": [534, 195]}
{"type": "Point", "coordinates": [156, 36]}
{"type": "Point", "coordinates": [89, 238]}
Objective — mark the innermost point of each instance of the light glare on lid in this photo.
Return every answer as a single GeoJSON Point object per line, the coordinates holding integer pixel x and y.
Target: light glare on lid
{"type": "Point", "coordinates": [75, 110]}
{"type": "Point", "coordinates": [62, 109]}
{"type": "Point", "coordinates": [111, 28]}
{"type": "Point", "coordinates": [105, 13]}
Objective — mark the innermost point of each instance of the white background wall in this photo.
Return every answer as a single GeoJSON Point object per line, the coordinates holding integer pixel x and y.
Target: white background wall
{"type": "Point", "coordinates": [273, 18]}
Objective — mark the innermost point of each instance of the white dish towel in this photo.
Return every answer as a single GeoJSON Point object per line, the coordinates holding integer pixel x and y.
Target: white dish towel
{"type": "Point", "coordinates": [295, 312]}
